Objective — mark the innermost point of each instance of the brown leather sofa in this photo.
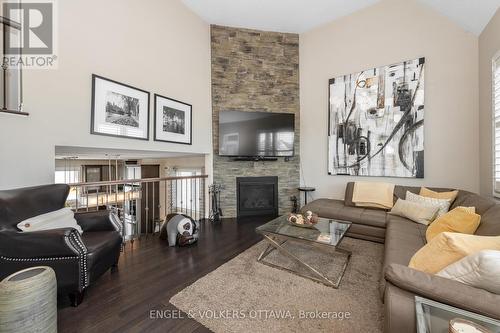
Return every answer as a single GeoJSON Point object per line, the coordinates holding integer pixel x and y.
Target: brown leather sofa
{"type": "Point", "coordinates": [403, 238]}
{"type": "Point", "coordinates": [78, 260]}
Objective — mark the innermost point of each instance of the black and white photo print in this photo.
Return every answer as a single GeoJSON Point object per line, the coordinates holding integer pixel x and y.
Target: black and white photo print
{"type": "Point", "coordinates": [173, 120]}
{"type": "Point", "coordinates": [119, 109]}
{"type": "Point", "coordinates": [122, 109]}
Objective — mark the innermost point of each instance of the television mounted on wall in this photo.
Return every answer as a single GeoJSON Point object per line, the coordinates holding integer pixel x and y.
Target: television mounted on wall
{"type": "Point", "coordinates": [256, 134]}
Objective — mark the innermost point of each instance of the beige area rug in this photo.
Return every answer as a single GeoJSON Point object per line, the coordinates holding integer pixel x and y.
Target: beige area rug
{"type": "Point", "coordinates": [244, 295]}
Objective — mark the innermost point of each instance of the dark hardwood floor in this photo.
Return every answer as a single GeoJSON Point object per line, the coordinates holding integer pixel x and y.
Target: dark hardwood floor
{"type": "Point", "coordinates": [149, 274]}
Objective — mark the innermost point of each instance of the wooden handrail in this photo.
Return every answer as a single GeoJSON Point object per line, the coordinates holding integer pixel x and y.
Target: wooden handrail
{"type": "Point", "coordinates": [129, 181]}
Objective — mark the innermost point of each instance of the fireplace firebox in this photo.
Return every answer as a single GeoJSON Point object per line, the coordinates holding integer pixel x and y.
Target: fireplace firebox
{"type": "Point", "coordinates": [257, 196]}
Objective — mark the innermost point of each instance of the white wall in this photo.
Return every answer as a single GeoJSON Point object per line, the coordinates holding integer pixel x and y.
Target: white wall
{"type": "Point", "coordinates": [157, 45]}
{"type": "Point", "coordinates": [388, 32]}
{"type": "Point", "coordinates": [489, 46]}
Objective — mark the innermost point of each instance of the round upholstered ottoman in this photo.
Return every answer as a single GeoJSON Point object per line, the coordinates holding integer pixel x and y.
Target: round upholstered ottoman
{"type": "Point", "coordinates": [28, 301]}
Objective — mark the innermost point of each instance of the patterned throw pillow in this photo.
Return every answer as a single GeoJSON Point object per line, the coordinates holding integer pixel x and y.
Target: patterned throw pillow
{"type": "Point", "coordinates": [417, 212]}
{"type": "Point", "coordinates": [442, 204]}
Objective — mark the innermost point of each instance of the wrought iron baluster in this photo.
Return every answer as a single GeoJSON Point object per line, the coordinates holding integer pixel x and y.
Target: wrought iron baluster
{"type": "Point", "coordinates": [196, 198]}
{"type": "Point", "coordinates": [191, 198]}
{"type": "Point", "coordinates": [147, 208]}
{"type": "Point", "coordinates": [76, 198]}
{"type": "Point", "coordinates": [97, 199]}
{"type": "Point", "coordinates": [202, 208]}
{"type": "Point", "coordinates": [154, 216]}
{"type": "Point", "coordinates": [166, 199]}
{"type": "Point", "coordinates": [87, 199]}
{"type": "Point", "coordinates": [171, 196]}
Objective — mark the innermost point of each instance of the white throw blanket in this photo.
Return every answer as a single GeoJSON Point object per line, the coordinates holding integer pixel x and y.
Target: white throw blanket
{"type": "Point", "coordinates": [373, 194]}
{"type": "Point", "coordinates": [62, 218]}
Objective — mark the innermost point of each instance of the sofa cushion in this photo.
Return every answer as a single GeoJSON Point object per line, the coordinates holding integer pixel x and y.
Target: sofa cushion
{"type": "Point", "coordinates": [349, 190]}
{"type": "Point", "coordinates": [400, 191]}
{"type": "Point", "coordinates": [367, 232]}
{"type": "Point", "coordinates": [335, 209]}
{"type": "Point", "coordinates": [469, 199]}
{"type": "Point", "coordinates": [103, 250]}
{"type": "Point", "coordinates": [403, 238]}
{"type": "Point", "coordinates": [443, 290]}
{"type": "Point", "coordinates": [366, 216]}
{"type": "Point", "coordinates": [490, 222]}
{"type": "Point", "coordinates": [324, 207]}
{"type": "Point", "coordinates": [399, 314]}
{"type": "Point", "coordinates": [373, 217]}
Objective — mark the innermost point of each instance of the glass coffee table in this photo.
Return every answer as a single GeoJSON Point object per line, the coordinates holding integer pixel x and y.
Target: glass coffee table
{"type": "Point", "coordinates": [434, 317]}
{"type": "Point", "coordinates": [326, 234]}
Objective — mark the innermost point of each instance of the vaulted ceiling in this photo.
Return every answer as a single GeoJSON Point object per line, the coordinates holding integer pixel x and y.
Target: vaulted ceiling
{"type": "Point", "coordinates": [301, 15]}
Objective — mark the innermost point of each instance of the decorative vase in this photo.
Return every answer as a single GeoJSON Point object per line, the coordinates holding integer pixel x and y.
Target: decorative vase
{"type": "Point", "coordinates": [28, 301]}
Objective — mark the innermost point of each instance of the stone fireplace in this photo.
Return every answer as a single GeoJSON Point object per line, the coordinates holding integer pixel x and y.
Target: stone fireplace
{"type": "Point", "coordinates": [255, 71]}
{"type": "Point", "coordinates": [257, 196]}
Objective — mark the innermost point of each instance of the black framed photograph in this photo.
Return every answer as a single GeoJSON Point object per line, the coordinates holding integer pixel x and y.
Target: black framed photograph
{"type": "Point", "coordinates": [119, 109]}
{"type": "Point", "coordinates": [173, 120]}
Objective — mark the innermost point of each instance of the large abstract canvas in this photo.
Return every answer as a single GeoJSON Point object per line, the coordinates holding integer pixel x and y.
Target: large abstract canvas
{"type": "Point", "coordinates": [376, 122]}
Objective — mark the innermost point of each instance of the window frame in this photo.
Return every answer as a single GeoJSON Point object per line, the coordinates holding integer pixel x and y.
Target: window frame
{"type": "Point", "coordinates": [495, 65]}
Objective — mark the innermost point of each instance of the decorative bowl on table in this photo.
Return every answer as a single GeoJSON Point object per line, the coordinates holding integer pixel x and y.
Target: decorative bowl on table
{"type": "Point", "coordinates": [459, 325]}
{"type": "Point", "coordinates": [308, 220]}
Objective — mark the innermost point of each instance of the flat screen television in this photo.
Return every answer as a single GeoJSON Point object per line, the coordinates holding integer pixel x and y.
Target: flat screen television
{"type": "Point", "coordinates": [256, 134]}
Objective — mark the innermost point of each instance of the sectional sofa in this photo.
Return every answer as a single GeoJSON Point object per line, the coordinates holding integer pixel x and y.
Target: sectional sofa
{"type": "Point", "coordinates": [399, 284]}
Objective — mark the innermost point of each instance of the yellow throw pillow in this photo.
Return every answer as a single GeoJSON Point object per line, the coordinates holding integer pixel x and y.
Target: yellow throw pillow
{"type": "Point", "coordinates": [460, 219]}
{"type": "Point", "coordinates": [449, 247]}
{"type": "Point", "coordinates": [425, 192]}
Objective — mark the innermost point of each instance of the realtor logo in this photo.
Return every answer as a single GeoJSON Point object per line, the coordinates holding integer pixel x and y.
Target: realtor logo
{"type": "Point", "coordinates": [36, 23]}
{"type": "Point", "coordinates": [29, 34]}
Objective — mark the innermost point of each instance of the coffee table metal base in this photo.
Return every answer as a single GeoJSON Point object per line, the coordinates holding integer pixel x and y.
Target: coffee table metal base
{"type": "Point", "coordinates": [276, 243]}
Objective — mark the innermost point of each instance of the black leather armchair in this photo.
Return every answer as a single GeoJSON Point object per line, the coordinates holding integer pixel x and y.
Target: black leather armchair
{"type": "Point", "coordinates": [78, 260]}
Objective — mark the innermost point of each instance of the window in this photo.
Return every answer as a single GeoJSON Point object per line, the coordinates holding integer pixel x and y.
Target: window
{"type": "Point", "coordinates": [67, 176]}
{"type": "Point", "coordinates": [188, 191]}
{"type": "Point", "coordinates": [284, 143]}
{"type": "Point", "coordinates": [275, 143]}
{"type": "Point", "coordinates": [496, 124]}
{"type": "Point", "coordinates": [266, 143]}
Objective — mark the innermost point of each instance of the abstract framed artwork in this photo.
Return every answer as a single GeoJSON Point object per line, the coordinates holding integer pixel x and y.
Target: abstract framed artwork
{"type": "Point", "coordinates": [376, 122]}
{"type": "Point", "coordinates": [173, 120]}
{"type": "Point", "coordinates": [119, 110]}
